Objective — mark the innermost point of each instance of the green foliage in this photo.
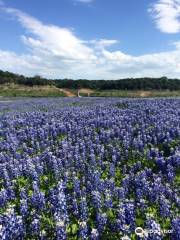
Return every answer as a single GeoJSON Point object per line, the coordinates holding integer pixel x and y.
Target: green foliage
{"type": "Point", "coordinates": [122, 105]}
{"type": "Point", "coordinates": [61, 137]}
{"type": "Point", "coordinates": [165, 223]}
{"type": "Point", "coordinates": [140, 218]}
{"type": "Point", "coordinates": [46, 221]}
{"type": "Point", "coordinates": [69, 186]}
{"type": "Point", "coordinates": [111, 215]}
{"type": "Point", "coordinates": [162, 83]}
{"type": "Point", "coordinates": [105, 174]}
{"type": "Point", "coordinates": [72, 229]}
{"type": "Point", "coordinates": [153, 211]}
{"type": "Point", "coordinates": [177, 179]}
{"type": "Point", "coordinates": [118, 177]}
{"type": "Point", "coordinates": [134, 237]}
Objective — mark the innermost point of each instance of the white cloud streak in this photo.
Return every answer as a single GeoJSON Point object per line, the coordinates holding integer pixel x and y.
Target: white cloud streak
{"type": "Point", "coordinates": [85, 1]}
{"type": "Point", "coordinates": [56, 52]}
{"type": "Point", "coordinates": [166, 14]}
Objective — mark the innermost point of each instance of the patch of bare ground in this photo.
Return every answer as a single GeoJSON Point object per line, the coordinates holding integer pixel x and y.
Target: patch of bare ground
{"type": "Point", "coordinates": [145, 93]}
{"type": "Point", "coordinates": [86, 90]}
{"type": "Point", "coordinates": [68, 93]}
{"type": "Point", "coordinates": [74, 93]}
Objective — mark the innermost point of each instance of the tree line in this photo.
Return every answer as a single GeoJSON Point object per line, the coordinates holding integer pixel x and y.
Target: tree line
{"type": "Point", "coordinates": [162, 83]}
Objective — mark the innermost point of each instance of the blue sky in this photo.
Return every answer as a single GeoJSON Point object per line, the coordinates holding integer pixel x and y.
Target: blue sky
{"type": "Point", "coordinates": [94, 39]}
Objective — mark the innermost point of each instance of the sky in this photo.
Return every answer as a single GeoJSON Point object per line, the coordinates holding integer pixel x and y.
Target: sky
{"type": "Point", "coordinates": [92, 39]}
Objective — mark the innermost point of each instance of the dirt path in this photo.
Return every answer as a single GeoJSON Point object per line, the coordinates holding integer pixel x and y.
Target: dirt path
{"type": "Point", "coordinates": [86, 90]}
{"type": "Point", "coordinates": [71, 94]}
{"type": "Point", "coordinates": [145, 93]}
{"type": "Point", "coordinates": [68, 93]}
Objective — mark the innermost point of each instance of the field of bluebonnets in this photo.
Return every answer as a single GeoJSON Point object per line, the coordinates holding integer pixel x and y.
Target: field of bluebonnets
{"type": "Point", "coordinates": [89, 168]}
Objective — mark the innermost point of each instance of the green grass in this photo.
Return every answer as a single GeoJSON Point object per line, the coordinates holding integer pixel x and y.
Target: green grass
{"type": "Point", "coordinates": [19, 93]}
{"type": "Point", "coordinates": [111, 93]}
{"type": "Point", "coordinates": [134, 94]}
{"type": "Point", "coordinates": [13, 90]}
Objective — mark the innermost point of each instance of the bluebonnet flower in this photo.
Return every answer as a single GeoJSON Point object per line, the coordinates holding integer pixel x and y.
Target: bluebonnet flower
{"type": "Point", "coordinates": [170, 173]}
{"type": "Point", "coordinates": [38, 198]}
{"type": "Point", "coordinates": [24, 207]}
{"type": "Point", "coordinates": [154, 230]}
{"type": "Point", "coordinates": [83, 209]}
{"type": "Point", "coordinates": [13, 227]}
{"type": "Point", "coordinates": [3, 197]}
{"type": "Point", "coordinates": [130, 213]}
{"type": "Point", "coordinates": [83, 230]}
{"type": "Point", "coordinates": [66, 152]}
{"type": "Point", "coordinates": [61, 230]}
{"type": "Point", "coordinates": [164, 207]}
{"type": "Point", "coordinates": [121, 218]}
{"type": "Point", "coordinates": [96, 200]}
{"type": "Point", "coordinates": [75, 208]}
{"type": "Point", "coordinates": [176, 228]}
{"type": "Point", "coordinates": [35, 226]}
{"type": "Point", "coordinates": [94, 234]}
{"type": "Point", "coordinates": [108, 203]}
{"type": "Point", "coordinates": [101, 221]}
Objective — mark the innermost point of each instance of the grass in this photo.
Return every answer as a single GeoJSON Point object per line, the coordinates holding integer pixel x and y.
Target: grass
{"type": "Point", "coordinates": [13, 90]}
{"type": "Point", "coordinates": [135, 94]}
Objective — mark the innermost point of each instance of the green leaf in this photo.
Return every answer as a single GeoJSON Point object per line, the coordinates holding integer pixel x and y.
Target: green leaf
{"type": "Point", "coordinates": [74, 228]}
{"type": "Point", "coordinates": [139, 222]}
{"type": "Point", "coordinates": [110, 214]}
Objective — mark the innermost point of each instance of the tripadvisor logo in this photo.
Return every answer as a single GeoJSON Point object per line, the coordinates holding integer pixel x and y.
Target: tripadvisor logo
{"type": "Point", "coordinates": [139, 231]}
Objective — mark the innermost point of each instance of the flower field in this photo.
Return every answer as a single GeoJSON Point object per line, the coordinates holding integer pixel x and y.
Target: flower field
{"type": "Point", "coordinates": [89, 168]}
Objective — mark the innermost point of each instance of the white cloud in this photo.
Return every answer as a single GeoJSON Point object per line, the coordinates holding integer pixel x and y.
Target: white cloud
{"type": "Point", "coordinates": [84, 1]}
{"type": "Point", "coordinates": [103, 43]}
{"type": "Point", "coordinates": [177, 44]}
{"type": "Point", "coordinates": [166, 14]}
{"type": "Point", "coordinates": [52, 39]}
{"type": "Point", "coordinates": [57, 52]}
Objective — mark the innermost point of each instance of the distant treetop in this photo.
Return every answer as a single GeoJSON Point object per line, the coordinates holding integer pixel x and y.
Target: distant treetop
{"type": "Point", "coordinates": [146, 83]}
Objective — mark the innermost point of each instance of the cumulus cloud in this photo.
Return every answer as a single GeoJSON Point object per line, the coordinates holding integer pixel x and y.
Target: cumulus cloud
{"type": "Point", "coordinates": [57, 52]}
{"type": "Point", "coordinates": [52, 39]}
{"type": "Point", "coordinates": [166, 14]}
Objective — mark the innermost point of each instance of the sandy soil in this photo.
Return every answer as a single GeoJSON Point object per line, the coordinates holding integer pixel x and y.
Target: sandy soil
{"type": "Point", "coordinates": [145, 93]}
